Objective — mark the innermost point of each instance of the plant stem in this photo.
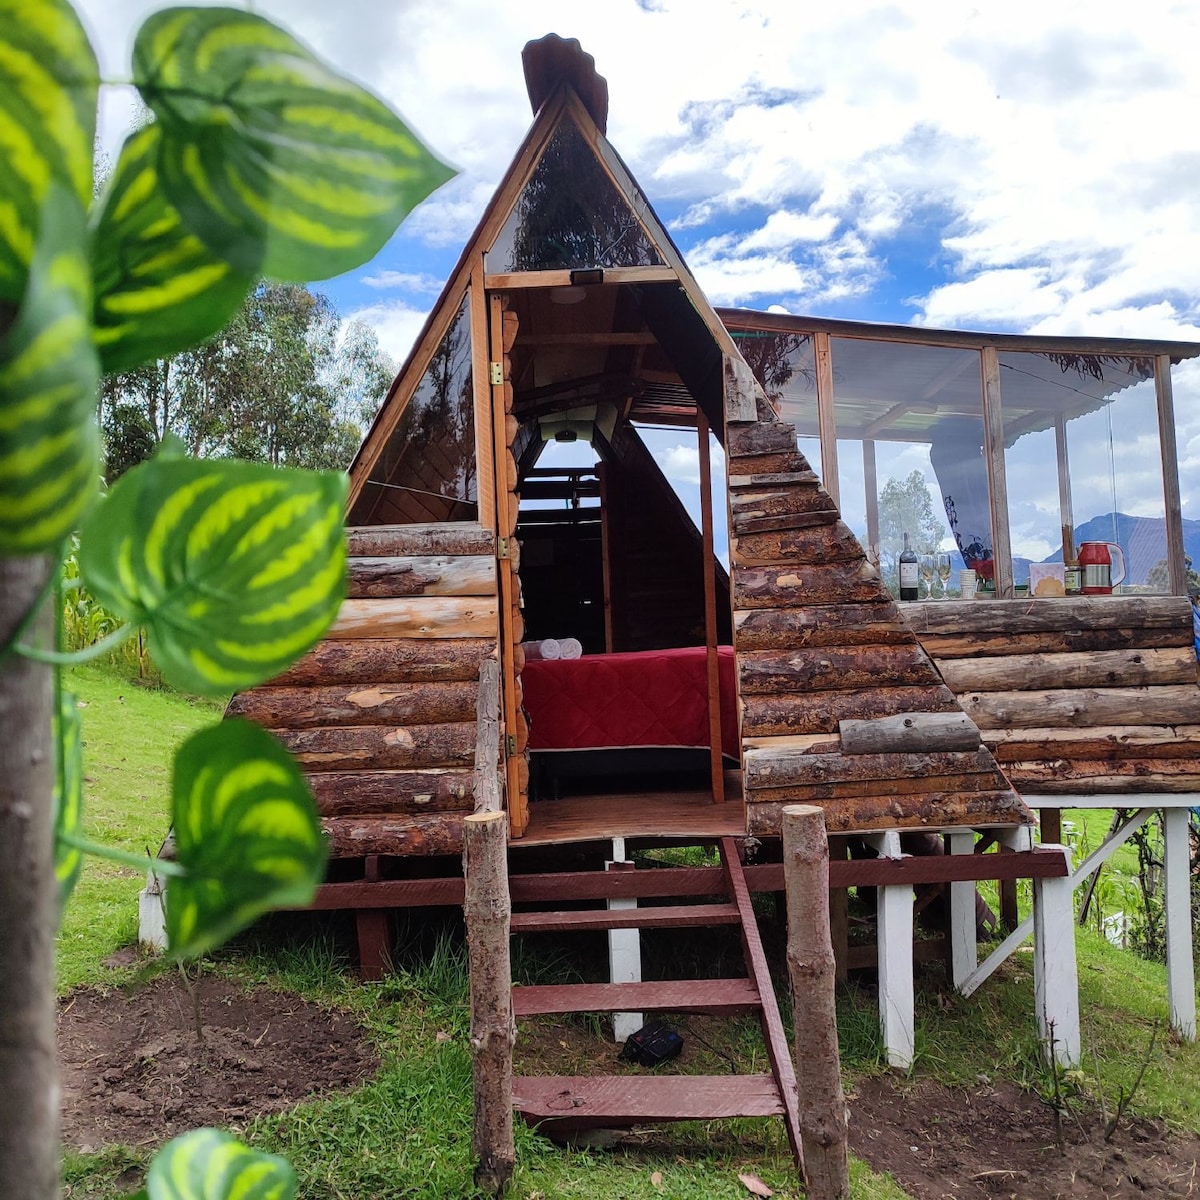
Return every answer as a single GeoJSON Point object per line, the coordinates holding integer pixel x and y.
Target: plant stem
{"type": "Point", "coordinates": [28, 895]}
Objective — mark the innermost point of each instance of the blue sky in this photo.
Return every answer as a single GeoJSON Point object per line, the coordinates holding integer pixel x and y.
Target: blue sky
{"type": "Point", "coordinates": [1025, 166]}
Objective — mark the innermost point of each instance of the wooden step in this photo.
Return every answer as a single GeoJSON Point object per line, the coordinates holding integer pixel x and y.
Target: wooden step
{"type": "Point", "coordinates": [671, 916]}
{"type": "Point", "coordinates": [713, 996]}
{"type": "Point", "coordinates": [630, 1099]}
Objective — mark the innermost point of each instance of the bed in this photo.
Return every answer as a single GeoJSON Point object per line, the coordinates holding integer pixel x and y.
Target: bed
{"type": "Point", "coordinates": [624, 714]}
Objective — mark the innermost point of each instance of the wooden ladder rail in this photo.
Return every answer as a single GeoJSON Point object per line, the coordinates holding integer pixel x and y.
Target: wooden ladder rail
{"type": "Point", "coordinates": [778, 1049]}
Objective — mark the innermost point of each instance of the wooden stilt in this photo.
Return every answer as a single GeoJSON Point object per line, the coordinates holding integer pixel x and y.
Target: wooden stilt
{"type": "Point", "coordinates": [373, 927]}
{"type": "Point", "coordinates": [964, 950]}
{"type": "Point", "coordinates": [894, 930]}
{"type": "Point", "coordinates": [487, 909]}
{"type": "Point", "coordinates": [624, 949]}
{"type": "Point", "coordinates": [1177, 902]}
{"type": "Point", "coordinates": [1055, 975]}
{"type": "Point", "coordinates": [822, 1103]}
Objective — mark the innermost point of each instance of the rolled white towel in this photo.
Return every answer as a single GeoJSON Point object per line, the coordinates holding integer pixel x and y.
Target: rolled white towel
{"type": "Point", "coordinates": [551, 648]}
{"type": "Point", "coordinates": [571, 648]}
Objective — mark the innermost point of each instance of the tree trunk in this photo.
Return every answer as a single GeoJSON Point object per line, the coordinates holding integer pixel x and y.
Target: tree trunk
{"type": "Point", "coordinates": [28, 913]}
{"type": "Point", "coordinates": [811, 966]}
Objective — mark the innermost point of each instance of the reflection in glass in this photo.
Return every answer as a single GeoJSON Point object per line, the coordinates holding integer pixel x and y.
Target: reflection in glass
{"type": "Point", "coordinates": [427, 470]}
{"type": "Point", "coordinates": [1082, 450]}
{"type": "Point", "coordinates": [570, 216]}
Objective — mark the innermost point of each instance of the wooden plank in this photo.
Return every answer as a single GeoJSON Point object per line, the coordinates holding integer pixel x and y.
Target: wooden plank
{"type": "Point", "coordinates": [1061, 641]}
{"type": "Point", "coordinates": [709, 566]}
{"type": "Point", "coordinates": [787, 461]}
{"type": "Point", "coordinates": [826, 420]}
{"type": "Point", "coordinates": [823, 542]}
{"type": "Point", "coordinates": [672, 916]}
{"type": "Point", "coordinates": [381, 747]}
{"type": "Point", "coordinates": [388, 660]}
{"type": "Point", "coordinates": [487, 786]}
{"type": "Point", "coordinates": [512, 628]}
{"type": "Point", "coordinates": [791, 585]}
{"type": "Point", "coordinates": [447, 575]}
{"type": "Point", "coordinates": [634, 1099]}
{"type": "Point", "coordinates": [717, 996]}
{"type": "Point", "coordinates": [393, 704]}
{"type": "Point", "coordinates": [839, 667]}
{"type": "Point", "coordinates": [446, 537]}
{"type": "Point", "coordinates": [744, 526]}
{"type": "Point", "coordinates": [804, 743]}
{"type": "Point", "coordinates": [1081, 707]}
{"type": "Point", "coordinates": [513, 280]}
{"type": "Point", "coordinates": [418, 834]}
{"type": "Point", "coordinates": [768, 769]}
{"type": "Point", "coordinates": [387, 793]}
{"type": "Point", "coordinates": [417, 617]}
{"type": "Point", "coordinates": [780, 500]}
{"type": "Point", "coordinates": [1064, 776]}
{"type": "Point", "coordinates": [993, 456]}
{"type": "Point", "coordinates": [770, 479]}
{"type": "Point", "coordinates": [820, 713]}
{"type": "Point", "coordinates": [1099, 669]}
{"type": "Point", "coordinates": [1102, 741]}
{"type": "Point", "coordinates": [740, 384]}
{"type": "Point", "coordinates": [933, 810]}
{"type": "Point", "coordinates": [903, 786]}
{"type": "Point", "coordinates": [820, 625]}
{"type": "Point", "coordinates": [1176, 565]}
{"type": "Point", "coordinates": [758, 437]}
{"type": "Point", "coordinates": [1049, 614]}
{"type": "Point", "coordinates": [910, 732]}
{"type": "Point", "coordinates": [871, 487]}
{"type": "Point", "coordinates": [485, 455]}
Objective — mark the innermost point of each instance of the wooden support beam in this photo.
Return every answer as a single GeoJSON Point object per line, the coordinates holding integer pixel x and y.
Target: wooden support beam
{"type": "Point", "coordinates": [487, 908]}
{"type": "Point", "coordinates": [964, 949]}
{"type": "Point", "coordinates": [716, 766]}
{"type": "Point", "coordinates": [812, 970]}
{"type": "Point", "coordinates": [871, 484]}
{"type": "Point", "coordinates": [1177, 905]}
{"type": "Point", "coordinates": [1055, 972]}
{"type": "Point", "coordinates": [1176, 567]}
{"type": "Point", "coordinates": [825, 416]}
{"type": "Point", "coordinates": [894, 921]}
{"type": "Point", "coordinates": [993, 454]}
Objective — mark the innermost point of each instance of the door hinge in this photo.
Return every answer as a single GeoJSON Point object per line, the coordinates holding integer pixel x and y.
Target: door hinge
{"type": "Point", "coordinates": [512, 745]}
{"type": "Point", "coordinates": [496, 373]}
{"type": "Point", "coordinates": [502, 547]}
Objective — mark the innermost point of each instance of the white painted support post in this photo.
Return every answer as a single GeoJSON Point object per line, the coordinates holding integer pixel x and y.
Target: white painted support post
{"type": "Point", "coordinates": [152, 915]}
{"type": "Point", "coordinates": [964, 949]}
{"type": "Point", "coordinates": [894, 932]}
{"type": "Point", "coordinates": [1055, 974]}
{"type": "Point", "coordinates": [1177, 905]}
{"type": "Point", "coordinates": [624, 950]}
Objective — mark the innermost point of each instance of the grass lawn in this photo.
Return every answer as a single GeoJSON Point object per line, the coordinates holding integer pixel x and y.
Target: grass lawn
{"type": "Point", "coordinates": [406, 1133]}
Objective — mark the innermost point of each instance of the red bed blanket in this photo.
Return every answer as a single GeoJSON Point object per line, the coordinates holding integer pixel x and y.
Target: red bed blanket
{"type": "Point", "coordinates": [647, 698]}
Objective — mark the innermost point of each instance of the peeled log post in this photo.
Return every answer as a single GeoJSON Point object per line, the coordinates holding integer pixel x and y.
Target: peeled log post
{"type": "Point", "coordinates": [811, 966]}
{"type": "Point", "coordinates": [487, 908]}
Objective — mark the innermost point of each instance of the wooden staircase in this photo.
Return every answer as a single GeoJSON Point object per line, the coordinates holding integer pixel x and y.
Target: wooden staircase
{"type": "Point", "coordinates": [581, 1102]}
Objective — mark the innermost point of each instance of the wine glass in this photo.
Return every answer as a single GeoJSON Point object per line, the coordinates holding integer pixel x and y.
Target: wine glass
{"type": "Point", "coordinates": [925, 563]}
{"type": "Point", "coordinates": [942, 561]}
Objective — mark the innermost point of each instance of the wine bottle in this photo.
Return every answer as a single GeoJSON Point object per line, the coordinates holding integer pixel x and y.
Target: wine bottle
{"type": "Point", "coordinates": [1072, 570]}
{"type": "Point", "coordinates": [909, 589]}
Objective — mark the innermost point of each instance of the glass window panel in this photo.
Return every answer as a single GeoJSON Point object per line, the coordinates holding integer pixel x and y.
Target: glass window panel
{"type": "Point", "coordinates": [1082, 448]}
{"type": "Point", "coordinates": [570, 216]}
{"type": "Point", "coordinates": [427, 470]}
{"type": "Point", "coordinates": [915, 413]}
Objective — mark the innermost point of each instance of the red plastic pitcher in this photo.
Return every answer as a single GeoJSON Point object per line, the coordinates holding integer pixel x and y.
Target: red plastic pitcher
{"type": "Point", "coordinates": [1096, 559]}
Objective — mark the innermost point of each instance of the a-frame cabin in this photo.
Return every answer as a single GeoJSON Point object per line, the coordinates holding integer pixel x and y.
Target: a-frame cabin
{"type": "Point", "coordinates": [571, 315]}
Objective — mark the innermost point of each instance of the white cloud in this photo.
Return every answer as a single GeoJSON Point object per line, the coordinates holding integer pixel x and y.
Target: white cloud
{"type": "Point", "coordinates": [396, 325]}
{"type": "Point", "coordinates": [402, 281]}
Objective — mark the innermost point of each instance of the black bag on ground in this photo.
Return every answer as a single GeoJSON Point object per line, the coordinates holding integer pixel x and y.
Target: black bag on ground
{"type": "Point", "coordinates": [652, 1045]}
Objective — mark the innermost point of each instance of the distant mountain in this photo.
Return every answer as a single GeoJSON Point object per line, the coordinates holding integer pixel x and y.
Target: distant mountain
{"type": "Point", "coordinates": [1141, 538]}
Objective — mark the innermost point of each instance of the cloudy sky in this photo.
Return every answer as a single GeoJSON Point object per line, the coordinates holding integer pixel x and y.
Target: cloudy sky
{"type": "Point", "coordinates": [1020, 166]}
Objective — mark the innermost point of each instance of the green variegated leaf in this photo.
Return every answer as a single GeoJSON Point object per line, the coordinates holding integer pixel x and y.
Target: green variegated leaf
{"type": "Point", "coordinates": [209, 1164]}
{"type": "Point", "coordinates": [158, 288]}
{"type": "Point", "coordinates": [246, 833]}
{"type": "Point", "coordinates": [49, 445]}
{"type": "Point", "coordinates": [68, 799]}
{"type": "Point", "coordinates": [276, 162]}
{"type": "Point", "coordinates": [235, 568]}
{"type": "Point", "coordinates": [48, 84]}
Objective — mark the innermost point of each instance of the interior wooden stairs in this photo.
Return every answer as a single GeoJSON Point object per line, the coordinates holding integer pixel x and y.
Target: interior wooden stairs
{"type": "Point", "coordinates": [651, 1096]}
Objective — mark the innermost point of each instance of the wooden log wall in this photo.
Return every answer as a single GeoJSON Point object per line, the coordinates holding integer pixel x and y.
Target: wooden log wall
{"type": "Point", "coordinates": [1079, 695]}
{"type": "Point", "coordinates": [821, 644]}
{"type": "Point", "coordinates": [382, 713]}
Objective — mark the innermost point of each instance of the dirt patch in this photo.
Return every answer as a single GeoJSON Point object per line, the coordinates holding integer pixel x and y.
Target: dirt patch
{"type": "Point", "coordinates": [995, 1140]}
{"type": "Point", "coordinates": [134, 1073]}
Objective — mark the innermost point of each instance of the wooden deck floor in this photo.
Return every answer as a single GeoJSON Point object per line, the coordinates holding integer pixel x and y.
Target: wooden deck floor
{"type": "Point", "coordinates": [606, 815]}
